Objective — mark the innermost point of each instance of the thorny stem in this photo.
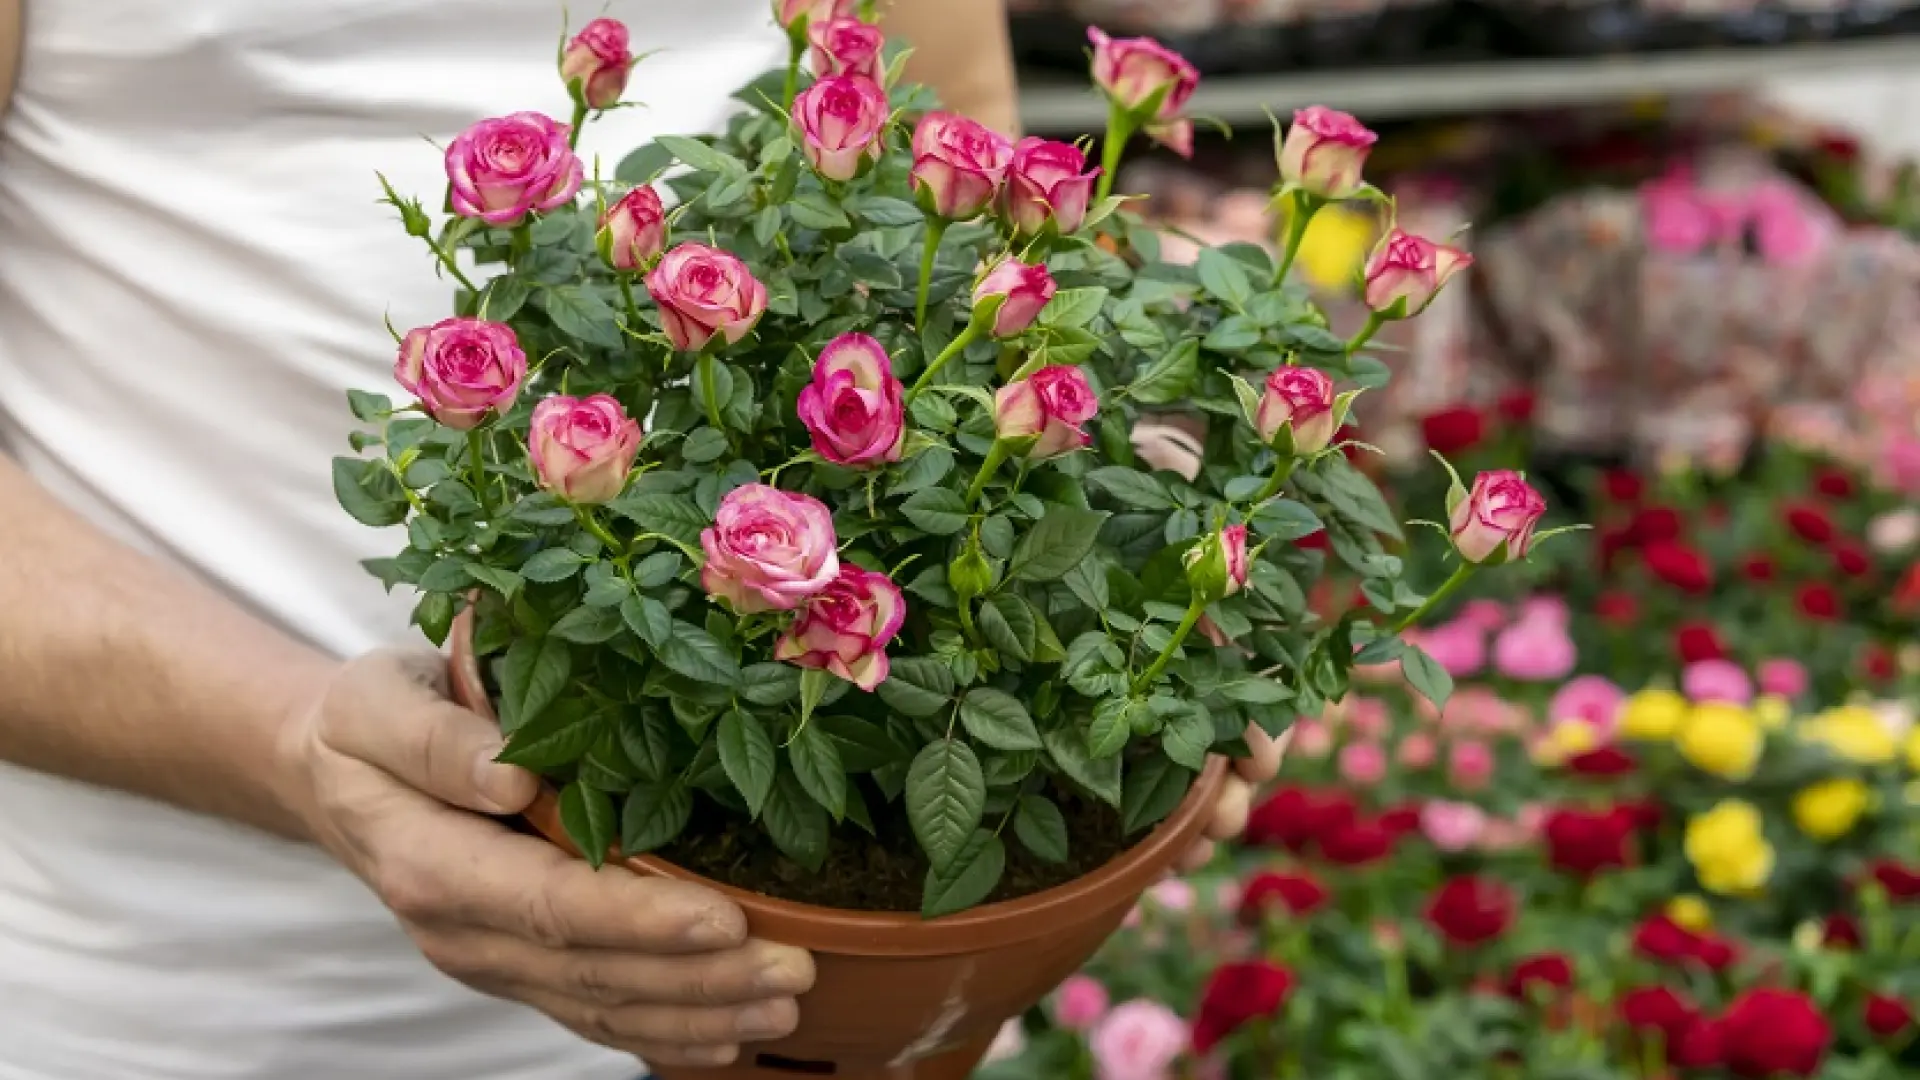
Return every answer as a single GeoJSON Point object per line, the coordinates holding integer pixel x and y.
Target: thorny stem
{"type": "Point", "coordinates": [599, 531]}
{"type": "Point", "coordinates": [1281, 471]}
{"type": "Point", "coordinates": [1119, 130]}
{"type": "Point", "coordinates": [996, 454]}
{"type": "Point", "coordinates": [1460, 574]}
{"type": "Point", "coordinates": [1374, 321]}
{"type": "Point", "coordinates": [477, 461]}
{"type": "Point", "coordinates": [633, 307]}
{"type": "Point", "coordinates": [453, 266]}
{"type": "Point", "coordinates": [954, 348]}
{"type": "Point", "coordinates": [1304, 207]}
{"type": "Point", "coordinates": [1194, 608]}
{"type": "Point", "coordinates": [936, 230]}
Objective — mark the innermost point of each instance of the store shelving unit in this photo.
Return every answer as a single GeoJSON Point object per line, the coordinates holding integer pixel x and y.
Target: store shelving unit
{"type": "Point", "coordinates": [1052, 103]}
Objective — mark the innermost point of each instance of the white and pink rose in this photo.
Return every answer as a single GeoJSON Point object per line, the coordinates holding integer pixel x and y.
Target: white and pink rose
{"type": "Point", "coordinates": [503, 169]}
{"type": "Point", "coordinates": [1324, 152]}
{"type": "Point", "coordinates": [1048, 184]}
{"type": "Point", "coordinates": [596, 63]}
{"type": "Point", "coordinates": [581, 449]}
{"type": "Point", "coordinates": [853, 408]}
{"type": "Point", "coordinates": [1138, 73]}
{"type": "Point", "coordinates": [842, 123]}
{"type": "Point", "coordinates": [845, 627]}
{"type": "Point", "coordinates": [704, 293]}
{"type": "Point", "coordinates": [464, 371]}
{"type": "Point", "coordinates": [1023, 291]}
{"type": "Point", "coordinates": [1050, 406]}
{"type": "Point", "coordinates": [768, 550]}
{"type": "Point", "coordinates": [1498, 515]}
{"type": "Point", "coordinates": [958, 165]}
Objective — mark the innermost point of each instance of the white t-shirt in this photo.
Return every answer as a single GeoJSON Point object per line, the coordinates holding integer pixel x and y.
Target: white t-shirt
{"type": "Point", "coordinates": [193, 270]}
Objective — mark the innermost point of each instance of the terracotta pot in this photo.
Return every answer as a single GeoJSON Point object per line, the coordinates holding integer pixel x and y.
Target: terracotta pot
{"type": "Point", "coordinates": [899, 997]}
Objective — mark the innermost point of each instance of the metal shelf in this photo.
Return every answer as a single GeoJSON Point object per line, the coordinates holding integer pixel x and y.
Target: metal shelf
{"type": "Point", "coordinates": [1056, 104]}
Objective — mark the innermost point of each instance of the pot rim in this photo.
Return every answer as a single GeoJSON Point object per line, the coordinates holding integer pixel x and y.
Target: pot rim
{"type": "Point", "coordinates": [1115, 883]}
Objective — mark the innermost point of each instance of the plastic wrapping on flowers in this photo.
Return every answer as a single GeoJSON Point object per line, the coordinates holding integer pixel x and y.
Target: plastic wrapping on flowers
{"type": "Point", "coordinates": [789, 475]}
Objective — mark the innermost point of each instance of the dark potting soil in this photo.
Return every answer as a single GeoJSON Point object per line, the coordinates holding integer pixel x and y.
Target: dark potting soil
{"type": "Point", "coordinates": [883, 873]}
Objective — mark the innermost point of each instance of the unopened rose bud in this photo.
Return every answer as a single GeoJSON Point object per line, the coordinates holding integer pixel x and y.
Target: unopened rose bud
{"type": "Point", "coordinates": [1217, 565]}
{"type": "Point", "coordinates": [1406, 272]}
{"type": "Point", "coordinates": [582, 450]}
{"type": "Point", "coordinates": [1296, 411]}
{"type": "Point", "coordinates": [970, 574]}
{"type": "Point", "coordinates": [596, 63]}
{"type": "Point", "coordinates": [1048, 407]}
{"type": "Point", "coordinates": [1150, 81]}
{"type": "Point", "coordinates": [1047, 187]}
{"type": "Point", "coordinates": [1324, 152]}
{"type": "Point", "coordinates": [1021, 291]}
{"type": "Point", "coordinates": [846, 47]}
{"type": "Point", "coordinates": [633, 231]}
{"type": "Point", "coordinates": [789, 12]}
{"type": "Point", "coordinates": [1494, 522]}
{"type": "Point", "coordinates": [958, 166]}
{"type": "Point", "coordinates": [842, 123]}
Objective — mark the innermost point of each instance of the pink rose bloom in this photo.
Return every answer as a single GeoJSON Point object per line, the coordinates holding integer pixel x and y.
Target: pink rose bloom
{"type": "Point", "coordinates": [1008, 1043]}
{"type": "Point", "coordinates": [1324, 152]}
{"type": "Point", "coordinates": [788, 12]}
{"type": "Point", "coordinates": [1024, 290]}
{"type": "Point", "coordinates": [1134, 72]}
{"type": "Point", "coordinates": [1783, 676]}
{"type": "Point", "coordinates": [582, 450]}
{"type": "Point", "coordinates": [1677, 220]}
{"type": "Point", "coordinates": [841, 121]}
{"type": "Point", "coordinates": [1135, 919]}
{"type": "Point", "coordinates": [1298, 401]}
{"type": "Point", "coordinates": [704, 293]}
{"type": "Point", "coordinates": [503, 169]}
{"type": "Point", "coordinates": [1080, 1003]}
{"type": "Point", "coordinates": [1418, 750]}
{"type": "Point", "coordinates": [1405, 273]}
{"type": "Point", "coordinates": [1470, 765]}
{"type": "Point", "coordinates": [1458, 646]}
{"type": "Point", "coordinates": [1530, 818]}
{"type": "Point", "coordinates": [1227, 895]}
{"type": "Point", "coordinates": [1900, 462]}
{"type": "Point", "coordinates": [1138, 1040]}
{"type": "Point", "coordinates": [846, 47]}
{"type": "Point", "coordinates": [1534, 650]}
{"type": "Point", "coordinates": [1452, 826]}
{"type": "Point", "coordinates": [1366, 717]}
{"type": "Point", "coordinates": [959, 166]}
{"type": "Point", "coordinates": [1488, 615]}
{"type": "Point", "coordinates": [1173, 895]}
{"type": "Point", "coordinates": [633, 231]}
{"type": "Point", "coordinates": [1478, 709]}
{"type": "Point", "coordinates": [1788, 229]}
{"type": "Point", "coordinates": [1590, 699]}
{"type": "Point", "coordinates": [1363, 764]}
{"type": "Point", "coordinates": [596, 62]}
{"type": "Point", "coordinates": [1716, 680]}
{"type": "Point", "coordinates": [1048, 406]}
{"type": "Point", "coordinates": [852, 408]}
{"type": "Point", "coordinates": [768, 550]}
{"type": "Point", "coordinates": [1311, 738]}
{"type": "Point", "coordinates": [1498, 515]}
{"type": "Point", "coordinates": [1502, 834]}
{"type": "Point", "coordinates": [1551, 608]}
{"type": "Point", "coordinates": [462, 370]}
{"type": "Point", "coordinates": [1048, 184]}
{"type": "Point", "coordinates": [845, 627]}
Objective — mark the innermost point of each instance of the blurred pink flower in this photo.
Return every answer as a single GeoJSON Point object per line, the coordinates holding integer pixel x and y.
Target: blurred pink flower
{"type": "Point", "coordinates": [1530, 818]}
{"type": "Point", "coordinates": [1459, 646]}
{"type": "Point", "coordinates": [1312, 738]}
{"type": "Point", "coordinates": [1591, 699]}
{"type": "Point", "coordinates": [1417, 750]}
{"type": "Point", "coordinates": [1227, 894]}
{"type": "Point", "coordinates": [1503, 835]}
{"type": "Point", "coordinates": [1478, 709]}
{"type": "Point", "coordinates": [1134, 920]}
{"type": "Point", "coordinates": [1469, 764]}
{"type": "Point", "coordinates": [1174, 895]}
{"type": "Point", "coordinates": [1080, 1003]}
{"type": "Point", "coordinates": [1784, 676]}
{"type": "Point", "coordinates": [1534, 650]}
{"type": "Point", "coordinates": [1894, 532]}
{"type": "Point", "coordinates": [1367, 717]}
{"type": "Point", "coordinates": [1363, 763]}
{"type": "Point", "coordinates": [1138, 1040]}
{"type": "Point", "coordinates": [1716, 680]}
{"type": "Point", "coordinates": [1789, 228]}
{"type": "Point", "coordinates": [1488, 615]}
{"type": "Point", "coordinates": [1452, 826]}
{"type": "Point", "coordinates": [1677, 219]}
{"type": "Point", "coordinates": [1900, 459]}
{"type": "Point", "coordinates": [1551, 608]}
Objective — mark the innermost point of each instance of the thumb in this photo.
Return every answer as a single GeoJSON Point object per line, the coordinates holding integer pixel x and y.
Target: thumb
{"type": "Point", "coordinates": [389, 709]}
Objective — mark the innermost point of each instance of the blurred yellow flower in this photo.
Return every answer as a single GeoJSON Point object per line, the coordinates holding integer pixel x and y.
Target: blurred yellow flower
{"type": "Point", "coordinates": [1829, 809]}
{"type": "Point", "coordinates": [1566, 739]}
{"type": "Point", "coordinates": [1913, 749]}
{"type": "Point", "coordinates": [1721, 739]}
{"type": "Point", "coordinates": [1653, 715]}
{"type": "Point", "coordinates": [1691, 912]}
{"type": "Point", "coordinates": [1335, 247]}
{"type": "Point", "coordinates": [1728, 849]}
{"type": "Point", "coordinates": [1854, 732]}
{"type": "Point", "coordinates": [1773, 711]}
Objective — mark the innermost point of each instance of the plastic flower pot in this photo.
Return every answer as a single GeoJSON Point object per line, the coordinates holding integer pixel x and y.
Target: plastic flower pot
{"type": "Point", "coordinates": [899, 997]}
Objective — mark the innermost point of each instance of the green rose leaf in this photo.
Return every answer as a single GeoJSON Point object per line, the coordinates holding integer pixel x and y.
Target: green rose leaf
{"type": "Point", "coordinates": [1009, 625]}
{"type": "Point", "coordinates": [1154, 788]}
{"type": "Point", "coordinates": [1041, 827]}
{"type": "Point", "coordinates": [587, 625]}
{"type": "Point", "coordinates": [918, 686]}
{"type": "Point", "coordinates": [1067, 748]}
{"type": "Point", "coordinates": [587, 816]}
{"type": "Point", "coordinates": [368, 492]}
{"type": "Point", "coordinates": [532, 674]}
{"type": "Point", "coordinates": [816, 763]}
{"type": "Point", "coordinates": [966, 879]}
{"type": "Point", "coordinates": [1056, 544]}
{"type": "Point", "coordinates": [655, 815]}
{"type": "Point", "coordinates": [797, 824]}
{"type": "Point", "coordinates": [579, 312]}
{"type": "Point", "coordinates": [557, 737]}
{"type": "Point", "coordinates": [1188, 735]}
{"type": "Point", "coordinates": [648, 618]}
{"type": "Point", "coordinates": [695, 653]}
{"type": "Point", "coordinates": [747, 754]}
{"type": "Point", "coordinates": [946, 798]}
{"type": "Point", "coordinates": [997, 719]}
{"type": "Point", "coordinates": [1169, 378]}
{"type": "Point", "coordinates": [936, 510]}
{"type": "Point", "coordinates": [1426, 676]}
{"type": "Point", "coordinates": [669, 515]}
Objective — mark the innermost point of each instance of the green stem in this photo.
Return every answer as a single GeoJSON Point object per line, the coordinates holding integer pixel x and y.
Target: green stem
{"type": "Point", "coordinates": [966, 620]}
{"type": "Point", "coordinates": [796, 50]}
{"type": "Point", "coordinates": [1460, 574]}
{"type": "Point", "coordinates": [1374, 321]}
{"type": "Point", "coordinates": [1282, 469]}
{"type": "Point", "coordinates": [1119, 130]}
{"type": "Point", "coordinates": [1180, 633]}
{"type": "Point", "coordinates": [707, 396]}
{"type": "Point", "coordinates": [477, 461]}
{"type": "Point", "coordinates": [1304, 207]}
{"type": "Point", "coordinates": [936, 230]}
{"type": "Point", "coordinates": [633, 307]}
{"type": "Point", "coordinates": [996, 454]}
{"type": "Point", "coordinates": [453, 267]}
{"type": "Point", "coordinates": [599, 531]}
{"type": "Point", "coordinates": [954, 348]}
{"type": "Point", "coordinates": [579, 121]}
{"type": "Point", "coordinates": [522, 241]}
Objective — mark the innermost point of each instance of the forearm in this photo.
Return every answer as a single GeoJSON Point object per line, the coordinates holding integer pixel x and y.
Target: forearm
{"type": "Point", "coordinates": [126, 673]}
{"type": "Point", "coordinates": [960, 48]}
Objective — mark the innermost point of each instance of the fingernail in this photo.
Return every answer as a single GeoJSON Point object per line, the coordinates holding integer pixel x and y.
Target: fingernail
{"type": "Point", "coordinates": [715, 1055]}
{"type": "Point", "coordinates": [717, 928]}
{"type": "Point", "coordinates": [767, 1020]}
{"type": "Point", "coordinates": [786, 974]}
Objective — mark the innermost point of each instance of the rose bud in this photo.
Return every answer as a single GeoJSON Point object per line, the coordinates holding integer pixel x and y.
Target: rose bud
{"type": "Point", "coordinates": [1012, 294]}
{"type": "Point", "coordinates": [852, 407]}
{"type": "Point", "coordinates": [958, 165]}
{"type": "Point", "coordinates": [1045, 186]}
{"type": "Point", "coordinates": [768, 549]}
{"type": "Point", "coordinates": [1495, 521]}
{"type": "Point", "coordinates": [462, 370]}
{"type": "Point", "coordinates": [1139, 74]}
{"type": "Point", "coordinates": [842, 123]}
{"type": "Point", "coordinates": [633, 231]}
{"type": "Point", "coordinates": [596, 63]}
{"type": "Point", "coordinates": [1324, 152]}
{"type": "Point", "coordinates": [789, 12]}
{"type": "Point", "coordinates": [503, 169]}
{"type": "Point", "coordinates": [846, 47]}
{"type": "Point", "coordinates": [1296, 411]}
{"type": "Point", "coordinates": [845, 627]}
{"type": "Point", "coordinates": [1217, 565]}
{"type": "Point", "coordinates": [704, 293]}
{"type": "Point", "coordinates": [582, 450]}
{"type": "Point", "coordinates": [1048, 406]}
{"type": "Point", "coordinates": [1406, 272]}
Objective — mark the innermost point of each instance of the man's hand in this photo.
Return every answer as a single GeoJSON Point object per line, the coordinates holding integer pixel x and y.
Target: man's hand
{"type": "Point", "coordinates": [397, 776]}
{"type": "Point", "coordinates": [1236, 796]}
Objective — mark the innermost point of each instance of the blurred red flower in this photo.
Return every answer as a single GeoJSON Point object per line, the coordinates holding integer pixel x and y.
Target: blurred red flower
{"type": "Point", "coordinates": [1655, 524]}
{"type": "Point", "coordinates": [1235, 994]}
{"type": "Point", "coordinates": [1701, 1044]}
{"type": "Point", "coordinates": [1298, 894]}
{"type": "Point", "coordinates": [1696, 641]}
{"type": "Point", "coordinates": [1851, 559]}
{"type": "Point", "coordinates": [1758, 568]}
{"type": "Point", "coordinates": [1679, 566]}
{"type": "Point", "coordinates": [1878, 663]}
{"type": "Point", "coordinates": [1540, 975]}
{"type": "Point", "coordinates": [1603, 762]}
{"type": "Point", "coordinates": [1770, 1033]}
{"type": "Point", "coordinates": [1453, 430]}
{"type": "Point", "coordinates": [1660, 939]}
{"type": "Point", "coordinates": [1906, 595]}
{"type": "Point", "coordinates": [1841, 931]}
{"type": "Point", "coordinates": [1887, 1016]}
{"type": "Point", "coordinates": [1617, 609]}
{"type": "Point", "coordinates": [1469, 910]}
{"type": "Point", "coordinates": [1833, 483]}
{"type": "Point", "coordinates": [1657, 1008]}
{"type": "Point", "coordinates": [1516, 407]}
{"type": "Point", "coordinates": [1809, 523]}
{"type": "Point", "coordinates": [1900, 882]}
{"type": "Point", "coordinates": [1818, 601]}
{"type": "Point", "coordinates": [1314, 541]}
{"type": "Point", "coordinates": [1294, 817]}
{"type": "Point", "coordinates": [1623, 485]}
{"type": "Point", "coordinates": [1357, 843]}
{"type": "Point", "coordinates": [1585, 842]}
{"type": "Point", "coordinates": [1401, 820]}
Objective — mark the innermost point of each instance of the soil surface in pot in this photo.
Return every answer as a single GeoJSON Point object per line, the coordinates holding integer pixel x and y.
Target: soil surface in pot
{"type": "Point", "coordinates": [883, 873]}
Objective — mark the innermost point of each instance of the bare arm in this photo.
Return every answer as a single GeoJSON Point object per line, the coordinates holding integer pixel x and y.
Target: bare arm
{"type": "Point", "coordinates": [960, 49]}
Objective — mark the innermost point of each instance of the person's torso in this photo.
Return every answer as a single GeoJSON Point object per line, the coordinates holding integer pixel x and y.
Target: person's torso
{"type": "Point", "coordinates": [193, 270]}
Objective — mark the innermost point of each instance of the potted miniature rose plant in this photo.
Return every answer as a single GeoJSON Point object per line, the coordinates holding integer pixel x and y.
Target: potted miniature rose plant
{"type": "Point", "coordinates": [796, 534]}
